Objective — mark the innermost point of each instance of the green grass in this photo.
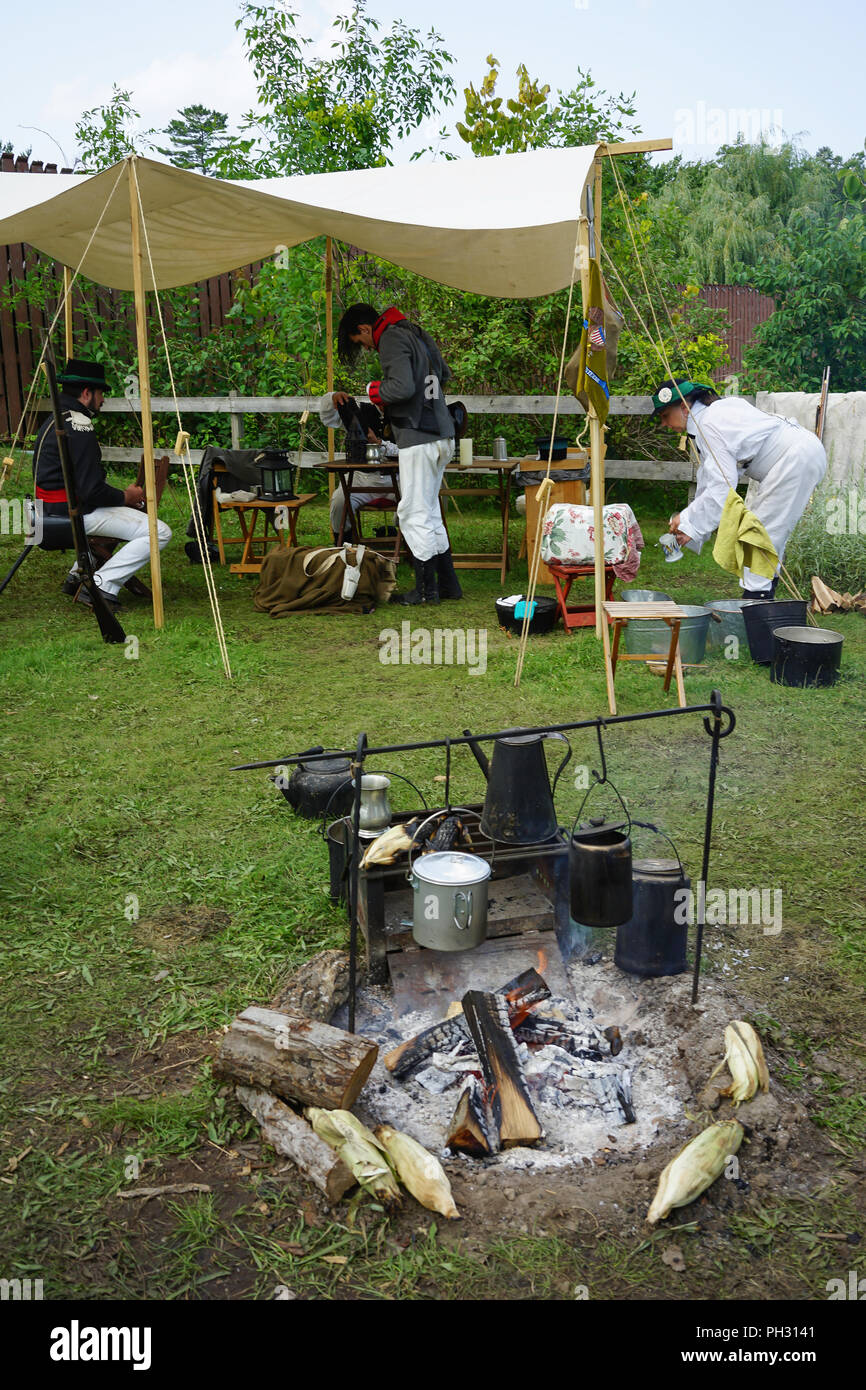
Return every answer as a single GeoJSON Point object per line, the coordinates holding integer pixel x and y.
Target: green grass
{"type": "Point", "coordinates": [149, 893]}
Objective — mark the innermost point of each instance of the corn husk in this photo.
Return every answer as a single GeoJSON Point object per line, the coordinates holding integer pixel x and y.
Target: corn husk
{"type": "Point", "coordinates": [360, 1150]}
{"type": "Point", "coordinates": [695, 1167]}
{"type": "Point", "coordinates": [744, 1058]}
{"type": "Point", "coordinates": [419, 1171]}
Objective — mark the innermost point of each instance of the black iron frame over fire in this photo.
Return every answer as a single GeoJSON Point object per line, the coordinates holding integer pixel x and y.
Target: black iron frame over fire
{"type": "Point", "coordinates": [714, 727]}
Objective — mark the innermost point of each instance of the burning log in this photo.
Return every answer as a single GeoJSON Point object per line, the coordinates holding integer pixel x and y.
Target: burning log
{"type": "Point", "coordinates": [488, 1018]}
{"type": "Point", "coordinates": [472, 1129]}
{"type": "Point", "coordinates": [297, 1058]}
{"type": "Point", "coordinates": [291, 1136]}
{"type": "Point", "coordinates": [547, 1032]}
{"type": "Point", "coordinates": [520, 994]}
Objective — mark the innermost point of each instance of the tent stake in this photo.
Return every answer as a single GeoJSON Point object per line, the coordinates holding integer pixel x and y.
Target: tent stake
{"type": "Point", "coordinates": [144, 391]}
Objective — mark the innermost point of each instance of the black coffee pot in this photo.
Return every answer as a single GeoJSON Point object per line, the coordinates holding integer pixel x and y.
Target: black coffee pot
{"type": "Point", "coordinates": [600, 870]}
{"type": "Point", "coordinates": [519, 807]}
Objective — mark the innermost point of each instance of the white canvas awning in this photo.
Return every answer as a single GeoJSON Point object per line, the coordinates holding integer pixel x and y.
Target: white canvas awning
{"type": "Point", "coordinates": [503, 225]}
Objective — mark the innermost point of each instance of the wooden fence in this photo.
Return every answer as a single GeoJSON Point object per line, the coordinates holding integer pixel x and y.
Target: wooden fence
{"type": "Point", "coordinates": [21, 329]}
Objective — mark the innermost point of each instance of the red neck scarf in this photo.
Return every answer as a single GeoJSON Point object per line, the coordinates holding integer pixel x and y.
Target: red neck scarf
{"type": "Point", "coordinates": [384, 321]}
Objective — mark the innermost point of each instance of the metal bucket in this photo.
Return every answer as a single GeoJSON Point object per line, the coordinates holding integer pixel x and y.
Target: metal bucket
{"type": "Point", "coordinates": [449, 900]}
{"type": "Point", "coordinates": [653, 942]}
{"type": "Point", "coordinates": [645, 596]}
{"type": "Point", "coordinates": [806, 656]}
{"type": "Point", "coordinates": [653, 636]}
{"type": "Point", "coordinates": [763, 617]}
{"type": "Point", "coordinates": [731, 622]}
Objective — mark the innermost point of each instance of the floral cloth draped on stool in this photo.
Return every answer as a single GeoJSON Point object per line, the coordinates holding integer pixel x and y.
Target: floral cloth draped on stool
{"type": "Point", "coordinates": [569, 537]}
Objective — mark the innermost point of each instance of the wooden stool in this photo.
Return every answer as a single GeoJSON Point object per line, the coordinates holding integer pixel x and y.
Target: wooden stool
{"type": "Point", "coordinates": [579, 614]}
{"type": "Point", "coordinates": [620, 614]}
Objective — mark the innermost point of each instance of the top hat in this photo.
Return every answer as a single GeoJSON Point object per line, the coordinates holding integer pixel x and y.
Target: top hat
{"type": "Point", "coordinates": [80, 373]}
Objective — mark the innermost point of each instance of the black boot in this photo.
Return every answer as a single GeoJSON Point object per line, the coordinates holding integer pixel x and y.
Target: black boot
{"type": "Point", "coordinates": [431, 583]}
{"type": "Point", "coordinates": [449, 584]}
{"type": "Point", "coordinates": [416, 595]}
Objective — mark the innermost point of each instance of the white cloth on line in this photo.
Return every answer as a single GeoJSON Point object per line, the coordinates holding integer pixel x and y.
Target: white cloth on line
{"type": "Point", "coordinates": [123, 524]}
{"type": "Point", "coordinates": [419, 517]}
{"type": "Point", "coordinates": [844, 428]}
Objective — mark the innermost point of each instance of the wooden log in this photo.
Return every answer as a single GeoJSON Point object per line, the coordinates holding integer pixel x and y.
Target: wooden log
{"type": "Point", "coordinates": [487, 1017]}
{"type": "Point", "coordinates": [297, 1058]}
{"type": "Point", "coordinates": [521, 995]}
{"type": "Point", "coordinates": [292, 1136]}
{"type": "Point", "coordinates": [472, 1129]}
{"type": "Point", "coordinates": [317, 988]}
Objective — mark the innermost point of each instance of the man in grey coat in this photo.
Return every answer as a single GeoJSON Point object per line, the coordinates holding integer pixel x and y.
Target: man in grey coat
{"type": "Point", "coordinates": [411, 391]}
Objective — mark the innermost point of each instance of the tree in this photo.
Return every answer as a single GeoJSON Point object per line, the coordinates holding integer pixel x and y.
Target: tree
{"type": "Point", "coordinates": [199, 139]}
{"type": "Point", "coordinates": [343, 112]}
{"type": "Point", "coordinates": [530, 121]}
{"type": "Point", "coordinates": [105, 135]}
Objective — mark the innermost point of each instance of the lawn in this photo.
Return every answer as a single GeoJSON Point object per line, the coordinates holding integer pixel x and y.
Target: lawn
{"type": "Point", "coordinates": [148, 893]}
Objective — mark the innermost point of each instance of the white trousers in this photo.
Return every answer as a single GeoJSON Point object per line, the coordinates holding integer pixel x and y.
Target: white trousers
{"type": "Point", "coordinates": [123, 524]}
{"type": "Point", "coordinates": [796, 462]}
{"type": "Point", "coordinates": [358, 498]}
{"type": "Point", "coordinates": [422, 468]}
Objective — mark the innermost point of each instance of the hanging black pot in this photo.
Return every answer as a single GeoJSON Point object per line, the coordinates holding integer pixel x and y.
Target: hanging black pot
{"type": "Point", "coordinates": [653, 942]}
{"type": "Point", "coordinates": [599, 861]}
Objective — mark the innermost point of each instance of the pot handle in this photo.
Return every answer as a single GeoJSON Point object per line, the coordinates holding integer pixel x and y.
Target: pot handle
{"type": "Point", "coordinates": [432, 816]}
{"type": "Point", "coordinates": [597, 783]}
{"type": "Point", "coordinates": [645, 825]}
{"type": "Point", "coordinates": [565, 760]}
{"type": "Point", "coordinates": [463, 908]}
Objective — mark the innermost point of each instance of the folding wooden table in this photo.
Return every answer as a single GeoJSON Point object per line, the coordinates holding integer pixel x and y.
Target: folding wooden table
{"type": "Point", "coordinates": [620, 614]}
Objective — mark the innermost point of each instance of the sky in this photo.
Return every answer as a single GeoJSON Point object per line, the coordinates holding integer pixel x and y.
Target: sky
{"type": "Point", "coordinates": [701, 74]}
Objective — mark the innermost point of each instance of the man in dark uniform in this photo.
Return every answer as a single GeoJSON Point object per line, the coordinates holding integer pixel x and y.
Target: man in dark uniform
{"type": "Point", "coordinates": [106, 510]}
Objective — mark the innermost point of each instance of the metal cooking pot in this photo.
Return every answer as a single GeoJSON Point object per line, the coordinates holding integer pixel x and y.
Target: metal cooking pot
{"type": "Point", "coordinates": [312, 785]}
{"type": "Point", "coordinates": [654, 941]}
{"type": "Point", "coordinates": [375, 813]}
{"type": "Point", "coordinates": [599, 860]}
{"type": "Point", "coordinates": [518, 807]}
{"type": "Point", "coordinates": [449, 903]}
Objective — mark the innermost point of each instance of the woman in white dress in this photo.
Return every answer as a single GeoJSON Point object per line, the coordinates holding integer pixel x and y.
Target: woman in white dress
{"type": "Point", "coordinates": [782, 462]}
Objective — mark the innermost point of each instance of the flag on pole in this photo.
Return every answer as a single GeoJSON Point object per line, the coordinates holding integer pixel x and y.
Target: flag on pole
{"type": "Point", "coordinates": [592, 386]}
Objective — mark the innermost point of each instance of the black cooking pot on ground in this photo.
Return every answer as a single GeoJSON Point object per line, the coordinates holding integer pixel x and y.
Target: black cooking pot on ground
{"type": "Point", "coordinates": [318, 785]}
{"type": "Point", "coordinates": [806, 656]}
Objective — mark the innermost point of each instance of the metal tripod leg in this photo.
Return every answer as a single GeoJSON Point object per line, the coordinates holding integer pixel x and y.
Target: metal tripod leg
{"type": "Point", "coordinates": [18, 563]}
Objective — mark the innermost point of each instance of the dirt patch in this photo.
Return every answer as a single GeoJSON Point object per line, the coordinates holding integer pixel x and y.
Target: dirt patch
{"type": "Point", "coordinates": [170, 929]}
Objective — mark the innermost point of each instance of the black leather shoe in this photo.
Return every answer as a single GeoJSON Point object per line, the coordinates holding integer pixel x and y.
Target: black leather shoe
{"type": "Point", "coordinates": [416, 595]}
{"type": "Point", "coordinates": [70, 585]}
{"type": "Point", "coordinates": [449, 584]}
{"type": "Point", "coordinates": [84, 598]}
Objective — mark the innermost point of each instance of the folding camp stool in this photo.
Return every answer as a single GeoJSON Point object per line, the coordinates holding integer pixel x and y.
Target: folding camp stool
{"type": "Point", "coordinates": [620, 614]}
{"type": "Point", "coordinates": [577, 614]}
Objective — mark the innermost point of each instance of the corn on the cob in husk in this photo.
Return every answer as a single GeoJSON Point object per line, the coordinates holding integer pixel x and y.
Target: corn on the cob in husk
{"type": "Point", "coordinates": [695, 1167]}
{"type": "Point", "coordinates": [419, 1171]}
{"type": "Point", "coordinates": [359, 1149]}
{"type": "Point", "coordinates": [744, 1058]}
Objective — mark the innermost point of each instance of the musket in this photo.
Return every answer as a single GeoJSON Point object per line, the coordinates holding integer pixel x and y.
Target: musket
{"type": "Point", "coordinates": [108, 623]}
{"type": "Point", "coordinates": [821, 412]}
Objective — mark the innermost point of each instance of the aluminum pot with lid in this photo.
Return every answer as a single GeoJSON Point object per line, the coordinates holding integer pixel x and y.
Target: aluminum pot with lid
{"type": "Point", "coordinates": [449, 900]}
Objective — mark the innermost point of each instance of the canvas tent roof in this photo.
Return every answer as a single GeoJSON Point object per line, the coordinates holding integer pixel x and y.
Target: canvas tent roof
{"type": "Point", "coordinates": [502, 225]}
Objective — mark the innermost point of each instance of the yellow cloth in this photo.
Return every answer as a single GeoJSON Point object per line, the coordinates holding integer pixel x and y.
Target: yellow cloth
{"type": "Point", "coordinates": [742, 541]}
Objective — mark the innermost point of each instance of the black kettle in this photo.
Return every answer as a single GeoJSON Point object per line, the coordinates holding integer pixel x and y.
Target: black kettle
{"type": "Point", "coordinates": [599, 858]}
{"type": "Point", "coordinates": [518, 807]}
{"type": "Point", "coordinates": [319, 785]}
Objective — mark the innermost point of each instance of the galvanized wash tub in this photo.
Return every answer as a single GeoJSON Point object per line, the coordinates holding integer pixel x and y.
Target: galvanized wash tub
{"type": "Point", "coordinates": [644, 596]}
{"type": "Point", "coordinates": [653, 635]}
{"type": "Point", "coordinates": [731, 622]}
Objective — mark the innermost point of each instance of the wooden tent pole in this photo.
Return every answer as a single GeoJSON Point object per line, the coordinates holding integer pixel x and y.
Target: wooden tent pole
{"type": "Point", "coordinates": [329, 340]}
{"type": "Point", "coordinates": [67, 309]}
{"type": "Point", "coordinates": [596, 438]}
{"type": "Point", "coordinates": [144, 391]}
